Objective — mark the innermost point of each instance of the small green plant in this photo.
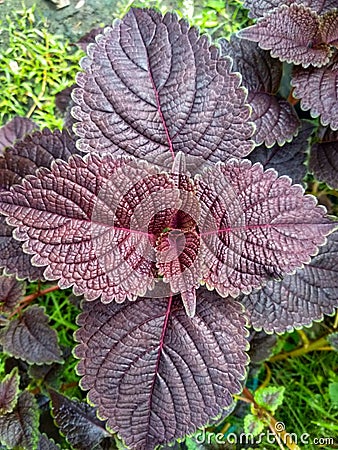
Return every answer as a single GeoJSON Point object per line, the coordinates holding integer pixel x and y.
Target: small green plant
{"type": "Point", "coordinates": [34, 67]}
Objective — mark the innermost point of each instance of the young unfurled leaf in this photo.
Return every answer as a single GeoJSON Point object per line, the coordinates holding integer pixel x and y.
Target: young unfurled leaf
{"type": "Point", "coordinates": [288, 160]}
{"type": "Point", "coordinates": [292, 34]}
{"type": "Point", "coordinates": [20, 428]}
{"type": "Point", "coordinates": [275, 119]}
{"type": "Point", "coordinates": [259, 8]}
{"type": "Point", "coordinates": [253, 425]}
{"type": "Point", "coordinates": [298, 299]}
{"type": "Point", "coordinates": [11, 290]}
{"type": "Point", "coordinates": [9, 391]}
{"type": "Point", "coordinates": [270, 397]}
{"type": "Point", "coordinates": [155, 373]}
{"type": "Point", "coordinates": [78, 422]}
{"type": "Point", "coordinates": [15, 130]}
{"type": "Point", "coordinates": [37, 150]}
{"type": "Point", "coordinates": [30, 338]}
{"type": "Point", "coordinates": [317, 90]}
{"type": "Point", "coordinates": [99, 223]}
{"type": "Point", "coordinates": [324, 158]}
{"type": "Point", "coordinates": [47, 444]}
{"type": "Point", "coordinates": [153, 87]}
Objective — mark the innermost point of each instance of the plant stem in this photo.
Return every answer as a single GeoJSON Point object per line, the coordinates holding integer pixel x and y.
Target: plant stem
{"type": "Point", "coordinates": [29, 298]}
{"type": "Point", "coordinates": [319, 344]}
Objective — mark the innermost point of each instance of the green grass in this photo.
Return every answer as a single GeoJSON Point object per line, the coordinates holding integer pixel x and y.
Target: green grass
{"type": "Point", "coordinates": [34, 66]}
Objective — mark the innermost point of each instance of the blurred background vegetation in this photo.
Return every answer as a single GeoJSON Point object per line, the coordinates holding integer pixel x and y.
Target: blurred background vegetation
{"type": "Point", "coordinates": [35, 64]}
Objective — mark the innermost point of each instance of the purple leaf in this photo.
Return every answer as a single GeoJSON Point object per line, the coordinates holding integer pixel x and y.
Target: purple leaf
{"type": "Point", "coordinates": [37, 150]}
{"type": "Point", "coordinates": [11, 291]}
{"type": "Point", "coordinates": [288, 160]}
{"type": "Point", "coordinates": [153, 87]}
{"type": "Point", "coordinates": [20, 428]}
{"type": "Point", "coordinates": [111, 226]}
{"type": "Point", "coordinates": [47, 444]}
{"type": "Point", "coordinates": [30, 338]}
{"type": "Point", "coordinates": [298, 299]}
{"type": "Point", "coordinates": [155, 373]}
{"type": "Point", "coordinates": [317, 89]}
{"type": "Point", "coordinates": [15, 130]}
{"type": "Point", "coordinates": [259, 8]}
{"type": "Point", "coordinates": [9, 391]}
{"type": "Point", "coordinates": [78, 422]}
{"type": "Point", "coordinates": [89, 38]}
{"type": "Point", "coordinates": [329, 27]}
{"type": "Point", "coordinates": [63, 99]}
{"type": "Point", "coordinates": [255, 226]}
{"type": "Point", "coordinates": [324, 158]}
{"type": "Point", "coordinates": [292, 34]}
{"type": "Point", "coordinates": [275, 119]}
{"type": "Point", "coordinates": [261, 346]}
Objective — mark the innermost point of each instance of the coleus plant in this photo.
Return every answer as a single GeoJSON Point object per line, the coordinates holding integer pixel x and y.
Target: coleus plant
{"type": "Point", "coordinates": [151, 212]}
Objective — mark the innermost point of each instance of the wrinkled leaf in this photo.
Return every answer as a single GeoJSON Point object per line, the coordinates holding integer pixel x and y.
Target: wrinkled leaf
{"type": "Point", "coordinates": [155, 373]}
{"type": "Point", "coordinates": [77, 422]}
{"type": "Point", "coordinates": [255, 226]}
{"type": "Point", "coordinates": [37, 150]}
{"type": "Point", "coordinates": [11, 291]}
{"type": "Point", "coordinates": [289, 159]}
{"type": "Point", "coordinates": [317, 89]}
{"type": "Point", "coordinates": [323, 161]}
{"type": "Point", "coordinates": [270, 397]}
{"type": "Point", "coordinates": [292, 34]}
{"type": "Point", "coordinates": [259, 8]}
{"type": "Point", "coordinates": [9, 391]}
{"type": "Point", "coordinates": [275, 119]}
{"type": "Point", "coordinates": [47, 444]}
{"type": "Point", "coordinates": [329, 27]}
{"type": "Point", "coordinates": [298, 299]}
{"type": "Point", "coordinates": [99, 223]}
{"type": "Point", "coordinates": [15, 130]}
{"type": "Point", "coordinates": [153, 87]}
{"type": "Point", "coordinates": [20, 428]}
{"type": "Point", "coordinates": [30, 338]}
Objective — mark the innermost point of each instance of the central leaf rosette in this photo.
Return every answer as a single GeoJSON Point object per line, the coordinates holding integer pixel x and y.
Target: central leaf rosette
{"type": "Point", "coordinates": [146, 227]}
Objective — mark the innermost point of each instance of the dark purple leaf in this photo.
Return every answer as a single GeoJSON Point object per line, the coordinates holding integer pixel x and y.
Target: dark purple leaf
{"type": "Point", "coordinates": [47, 444]}
{"type": "Point", "coordinates": [317, 89]}
{"type": "Point", "coordinates": [157, 374]}
{"type": "Point", "coordinates": [298, 299]}
{"type": "Point", "coordinates": [153, 87]}
{"type": "Point", "coordinates": [261, 346]}
{"type": "Point", "coordinates": [255, 226]}
{"type": "Point", "coordinates": [15, 130]}
{"type": "Point", "coordinates": [89, 38]}
{"type": "Point", "coordinates": [20, 428]}
{"type": "Point", "coordinates": [324, 158]}
{"type": "Point", "coordinates": [289, 159]}
{"type": "Point", "coordinates": [103, 225]}
{"type": "Point", "coordinates": [11, 290]}
{"type": "Point", "coordinates": [37, 150]}
{"type": "Point", "coordinates": [275, 119]}
{"type": "Point", "coordinates": [63, 99]}
{"type": "Point", "coordinates": [78, 422]}
{"type": "Point", "coordinates": [259, 8]}
{"type": "Point", "coordinates": [30, 338]}
{"type": "Point", "coordinates": [9, 391]}
{"type": "Point", "coordinates": [329, 27]}
{"type": "Point", "coordinates": [292, 34]}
